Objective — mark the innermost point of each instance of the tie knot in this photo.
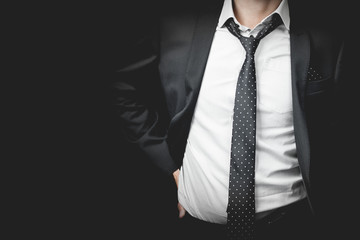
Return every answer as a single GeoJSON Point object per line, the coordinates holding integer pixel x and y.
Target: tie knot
{"type": "Point", "coordinates": [250, 43]}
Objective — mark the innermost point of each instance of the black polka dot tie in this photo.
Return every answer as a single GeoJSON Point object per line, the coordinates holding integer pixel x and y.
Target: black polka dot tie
{"type": "Point", "coordinates": [241, 205]}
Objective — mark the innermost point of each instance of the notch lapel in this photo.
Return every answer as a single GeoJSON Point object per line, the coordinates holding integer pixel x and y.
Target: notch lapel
{"type": "Point", "coordinates": [201, 43]}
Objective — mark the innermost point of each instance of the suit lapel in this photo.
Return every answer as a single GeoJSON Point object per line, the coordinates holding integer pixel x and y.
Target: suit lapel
{"type": "Point", "coordinates": [203, 36]}
{"type": "Point", "coordinates": [300, 58]}
{"type": "Point", "coordinates": [199, 52]}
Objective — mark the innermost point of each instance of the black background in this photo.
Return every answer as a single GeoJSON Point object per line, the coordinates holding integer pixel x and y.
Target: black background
{"type": "Point", "coordinates": [71, 174]}
{"type": "Point", "coordinates": [106, 189]}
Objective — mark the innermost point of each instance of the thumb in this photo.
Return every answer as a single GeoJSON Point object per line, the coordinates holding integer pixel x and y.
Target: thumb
{"type": "Point", "coordinates": [181, 211]}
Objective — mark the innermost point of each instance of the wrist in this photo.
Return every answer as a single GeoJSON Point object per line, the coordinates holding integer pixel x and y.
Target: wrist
{"type": "Point", "coordinates": [176, 176]}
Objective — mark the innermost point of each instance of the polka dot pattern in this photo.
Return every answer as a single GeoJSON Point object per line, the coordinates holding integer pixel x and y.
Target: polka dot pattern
{"type": "Point", "coordinates": [241, 203]}
{"type": "Point", "coordinates": [313, 75]}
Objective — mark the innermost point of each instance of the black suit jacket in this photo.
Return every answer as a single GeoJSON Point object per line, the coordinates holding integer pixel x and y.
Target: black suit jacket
{"type": "Point", "coordinates": [157, 93]}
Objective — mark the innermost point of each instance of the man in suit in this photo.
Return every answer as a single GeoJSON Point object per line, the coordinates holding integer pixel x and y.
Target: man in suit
{"type": "Point", "coordinates": [176, 103]}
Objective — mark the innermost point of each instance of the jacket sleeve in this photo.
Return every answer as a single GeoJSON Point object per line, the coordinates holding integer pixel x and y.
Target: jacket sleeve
{"type": "Point", "coordinates": [139, 103]}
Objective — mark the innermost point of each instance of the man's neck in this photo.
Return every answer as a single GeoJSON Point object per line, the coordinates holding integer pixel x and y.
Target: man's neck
{"type": "Point", "coordinates": [250, 12]}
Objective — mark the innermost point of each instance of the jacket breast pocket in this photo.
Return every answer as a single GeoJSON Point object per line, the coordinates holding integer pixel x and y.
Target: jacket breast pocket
{"type": "Point", "coordinates": [319, 86]}
{"type": "Point", "coordinates": [320, 101]}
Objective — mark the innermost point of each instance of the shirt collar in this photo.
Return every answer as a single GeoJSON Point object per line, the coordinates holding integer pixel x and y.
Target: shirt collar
{"type": "Point", "coordinates": [228, 12]}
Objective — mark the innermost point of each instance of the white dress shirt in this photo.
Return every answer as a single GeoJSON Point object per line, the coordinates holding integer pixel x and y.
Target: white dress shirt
{"type": "Point", "coordinates": [204, 176]}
